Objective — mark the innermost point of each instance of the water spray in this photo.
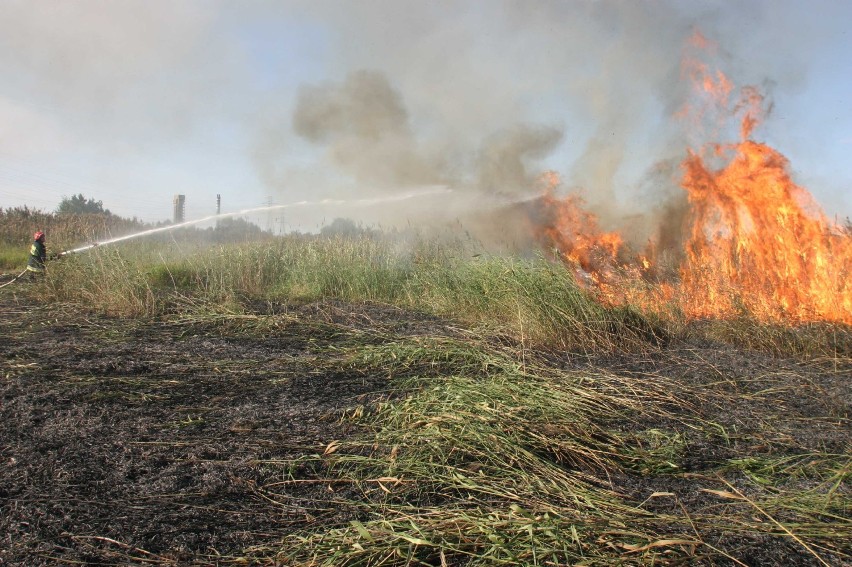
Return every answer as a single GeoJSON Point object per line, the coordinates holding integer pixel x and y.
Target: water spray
{"type": "Point", "coordinates": [359, 202]}
{"type": "Point", "coordinates": [371, 201]}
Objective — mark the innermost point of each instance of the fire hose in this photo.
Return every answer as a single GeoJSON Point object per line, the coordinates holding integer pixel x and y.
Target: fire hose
{"type": "Point", "coordinates": [16, 278]}
{"type": "Point", "coordinates": [13, 280]}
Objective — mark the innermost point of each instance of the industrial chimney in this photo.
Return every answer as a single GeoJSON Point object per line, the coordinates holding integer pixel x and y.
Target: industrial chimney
{"type": "Point", "coordinates": [180, 204]}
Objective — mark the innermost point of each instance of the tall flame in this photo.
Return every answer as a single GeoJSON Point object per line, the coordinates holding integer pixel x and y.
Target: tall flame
{"type": "Point", "coordinates": [754, 242]}
{"type": "Point", "coordinates": [758, 242]}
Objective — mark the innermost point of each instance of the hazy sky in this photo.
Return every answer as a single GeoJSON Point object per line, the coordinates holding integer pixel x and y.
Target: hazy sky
{"type": "Point", "coordinates": [131, 102]}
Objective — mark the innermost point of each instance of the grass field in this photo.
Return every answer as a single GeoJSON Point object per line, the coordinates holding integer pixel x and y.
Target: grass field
{"type": "Point", "coordinates": [505, 416]}
{"type": "Point", "coordinates": [17, 226]}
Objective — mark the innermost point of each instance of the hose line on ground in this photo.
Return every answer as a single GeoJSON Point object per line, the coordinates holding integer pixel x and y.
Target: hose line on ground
{"type": "Point", "coordinates": [13, 280]}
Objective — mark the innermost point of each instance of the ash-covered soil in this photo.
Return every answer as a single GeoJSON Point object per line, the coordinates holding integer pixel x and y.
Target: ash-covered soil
{"type": "Point", "coordinates": [190, 440]}
{"type": "Point", "coordinates": [126, 442]}
{"type": "Point", "coordinates": [739, 410]}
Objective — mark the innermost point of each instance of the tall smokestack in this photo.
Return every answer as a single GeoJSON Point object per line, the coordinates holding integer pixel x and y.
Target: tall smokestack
{"type": "Point", "coordinates": [180, 206]}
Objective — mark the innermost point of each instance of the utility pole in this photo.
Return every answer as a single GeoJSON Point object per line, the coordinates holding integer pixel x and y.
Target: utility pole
{"type": "Point", "coordinates": [269, 203]}
{"type": "Point", "coordinates": [218, 208]}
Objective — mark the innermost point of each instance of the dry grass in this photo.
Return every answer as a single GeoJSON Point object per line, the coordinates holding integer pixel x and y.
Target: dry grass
{"type": "Point", "coordinates": [17, 226]}
{"type": "Point", "coordinates": [533, 300]}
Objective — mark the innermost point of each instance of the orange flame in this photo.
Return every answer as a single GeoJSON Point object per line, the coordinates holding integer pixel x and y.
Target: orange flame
{"type": "Point", "coordinates": [575, 235]}
{"type": "Point", "coordinates": [758, 243]}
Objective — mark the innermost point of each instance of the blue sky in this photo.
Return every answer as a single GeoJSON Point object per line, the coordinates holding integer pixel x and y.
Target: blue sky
{"type": "Point", "coordinates": [131, 102]}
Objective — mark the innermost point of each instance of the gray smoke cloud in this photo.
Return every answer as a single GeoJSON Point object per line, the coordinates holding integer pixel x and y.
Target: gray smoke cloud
{"type": "Point", "coordinates": [324, 98]}
{"type": "Point", "coordinates": [504, 162]}
{"type": "Point", "coordinates": [364, 125]}
{"type": "Point", "coordinates": [576, 87]}
{"type": "Point", "coordinates": [486, 97]}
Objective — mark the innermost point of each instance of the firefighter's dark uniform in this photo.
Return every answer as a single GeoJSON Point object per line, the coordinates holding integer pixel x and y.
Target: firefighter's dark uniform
{"type": "Point", "coordinates": [38, 255]}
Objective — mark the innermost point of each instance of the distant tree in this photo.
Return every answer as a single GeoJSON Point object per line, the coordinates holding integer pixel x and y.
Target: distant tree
{"type": "Point", "coordinates": [237, 230]}
{"type": "Point", "coordinates": [344, 227]}
{"type": "Point", "coordinates": [78, 204]}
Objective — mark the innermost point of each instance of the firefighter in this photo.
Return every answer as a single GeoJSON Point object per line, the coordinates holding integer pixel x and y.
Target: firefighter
{"type": "Point", "coordinates": [38, 255]}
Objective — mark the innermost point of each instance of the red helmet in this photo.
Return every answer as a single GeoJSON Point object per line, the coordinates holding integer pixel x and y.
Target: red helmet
{"type": "Point", "coordinates": [38, 235]}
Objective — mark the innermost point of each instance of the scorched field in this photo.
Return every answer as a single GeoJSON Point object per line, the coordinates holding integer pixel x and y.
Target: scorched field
{"type": "Point", "coordinates": [313, 401]}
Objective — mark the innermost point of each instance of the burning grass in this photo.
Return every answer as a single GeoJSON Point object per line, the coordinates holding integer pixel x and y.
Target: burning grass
{"type": "Point", "coordinates": [535, 301]}
{"type": "Point", "coordinates": [752, 243]}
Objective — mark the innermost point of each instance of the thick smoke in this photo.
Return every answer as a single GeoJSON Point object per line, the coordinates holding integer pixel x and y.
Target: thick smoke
{"type": "Point", "coordinates": [305, 98]}
{"type": "Point", "coordinates": [504, 162]}
{"type": "Point", "coordinates": [580, 88]}
{"type": "Point", "coordinates": [364, 107]}
{"type": "Point", "coordinates": [365, 127]}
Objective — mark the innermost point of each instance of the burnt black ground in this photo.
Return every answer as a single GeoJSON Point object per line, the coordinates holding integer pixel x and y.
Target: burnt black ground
{"type": "Point", "coordinates": [178, 440]}
{"type": "Point", "coordinates": [765, 407]}
{"type": "Point", "coordinates": [122, 440]}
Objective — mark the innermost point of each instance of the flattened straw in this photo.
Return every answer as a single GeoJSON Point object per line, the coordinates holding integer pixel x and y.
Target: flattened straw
{"type": "Point", "coordinates": [773, 520]}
